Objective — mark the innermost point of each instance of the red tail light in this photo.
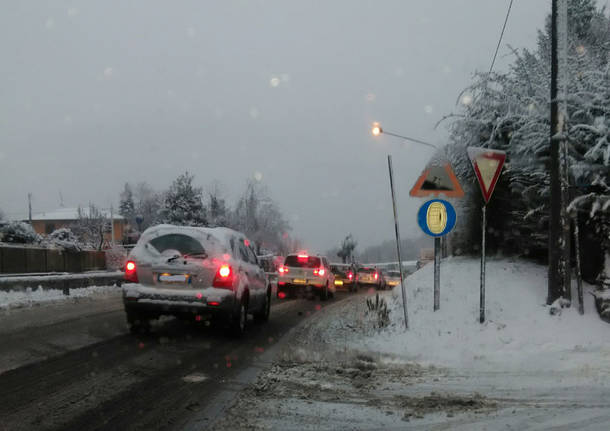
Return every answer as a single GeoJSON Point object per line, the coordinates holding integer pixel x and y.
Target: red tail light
{"type": "Point", "coordinates": [350, 275]}
{"type": "Point", "coordinates": [282, 270]}
{"type": "Point", "coordinates": [130, 272]}
{"type": "Point", "coordinates": [319, 271]}
{"type": "Point", "coordinates": [281, 295]}
{"type": "Point", "coordinates": [376, 276]}
{"type": "Point", "coordinates": [302, 257]}
{"type": "Point", "coordinates": [224, 277]}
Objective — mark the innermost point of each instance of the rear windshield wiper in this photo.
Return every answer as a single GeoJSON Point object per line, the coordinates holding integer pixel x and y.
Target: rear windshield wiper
{"type": "Point", "coordinates": [174, 257]}
{"type": "Point", "coordinates": [202, 255]}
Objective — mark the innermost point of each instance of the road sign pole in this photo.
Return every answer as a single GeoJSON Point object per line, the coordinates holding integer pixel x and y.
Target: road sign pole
{"type": "Point", "coordinates": [402, 285]}
{"type": "Point", "coordinates": [581, 308]}
{"type": "Point", "coordinates": [437, 273]}
{"type": "Point", "coordinates": [482, 296]}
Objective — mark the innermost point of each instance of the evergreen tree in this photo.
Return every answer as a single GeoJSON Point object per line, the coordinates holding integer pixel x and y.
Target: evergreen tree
{"type": "Point", "coordinates": [182, 204]}
{"type": "Point", "coordinates": [127, 206]}
{"type": "Point", "coordinates": [510, 111]}
{"type": "Point", "coordinates": [217, 210]}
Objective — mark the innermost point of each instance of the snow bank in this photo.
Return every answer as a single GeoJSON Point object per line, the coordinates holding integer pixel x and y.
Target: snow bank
{"type": "Point", "coordinates": [30, 297]}
{"type": "Point", "coordinates": [519, 332]}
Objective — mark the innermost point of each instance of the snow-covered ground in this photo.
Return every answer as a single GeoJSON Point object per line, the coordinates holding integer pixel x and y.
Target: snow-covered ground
{"type": "Point", "coordinates": [32, 297]}
{"type": "Point", "coordinates": [519, 332]}
{"type": "Point", "coordinates": [522, 369]}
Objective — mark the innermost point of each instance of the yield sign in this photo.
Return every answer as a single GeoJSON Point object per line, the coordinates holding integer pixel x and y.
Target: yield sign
{"type": "Point", "coordinates": [487, 165]}
{"type": "Point", "coordinates": [435, 180]}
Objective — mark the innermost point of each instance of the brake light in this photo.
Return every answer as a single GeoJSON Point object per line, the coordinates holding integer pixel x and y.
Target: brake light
{"type": "Point", "coordinates": [283, 270]}
{"type": "Point", "coordinates": [302, 257]}
{"type": "Point", "coordinates": [319, 271]}
{"type": "Point", "coordinates": [224, 277]}
{"type": "Point", "coordinates": [376, 276]}
{"type": "Point", "coordinates": [281, 295]}
{"type": "Point", "coordinates": [130, 272]}
{"type": "Point", "coordinates": [350, 275]}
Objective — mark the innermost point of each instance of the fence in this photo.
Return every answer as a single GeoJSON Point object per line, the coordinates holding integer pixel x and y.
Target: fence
{"type": "Point", "coordinates": [19, 260]}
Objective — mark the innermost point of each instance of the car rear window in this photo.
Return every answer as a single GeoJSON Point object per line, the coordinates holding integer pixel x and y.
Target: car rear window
{"type": "Point", "coordinates": [367, 270]}
{"type": "Point", "coordinates": [300, 262]}
{"type": "Point", "coordinates": [338, 270]}
{"type": "Point", "coordinates": [183, 244]}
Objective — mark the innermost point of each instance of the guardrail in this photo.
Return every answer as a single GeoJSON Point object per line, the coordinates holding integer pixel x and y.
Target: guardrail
{"type": "Point", "coordinates": [63, 282]}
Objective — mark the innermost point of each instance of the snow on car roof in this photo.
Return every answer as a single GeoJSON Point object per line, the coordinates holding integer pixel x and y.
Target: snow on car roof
{"type": "Point", "coordinates": [206, 235]}
{"type": "Point", "coordinates": [71, 214]}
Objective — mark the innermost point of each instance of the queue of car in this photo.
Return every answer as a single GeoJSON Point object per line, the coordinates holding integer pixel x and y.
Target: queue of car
{"type": "Point", "coordinates": [214, 274]}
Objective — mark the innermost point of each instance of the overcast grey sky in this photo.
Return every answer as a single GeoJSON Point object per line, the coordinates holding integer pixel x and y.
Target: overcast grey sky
{"type": "Point", "coordinates": [94, 94]}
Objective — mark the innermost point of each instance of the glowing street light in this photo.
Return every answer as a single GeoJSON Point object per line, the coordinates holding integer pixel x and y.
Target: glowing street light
{"type": "Point", "coordinates": [376, 130]}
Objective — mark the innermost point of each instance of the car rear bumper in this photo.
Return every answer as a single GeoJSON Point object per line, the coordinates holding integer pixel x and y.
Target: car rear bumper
{"type": "Point", "coordinates": [207, 302]}
{"type": "Point", "coordinates": [287, 290]}
{"type": "Point", "coordinates": [303, 282]}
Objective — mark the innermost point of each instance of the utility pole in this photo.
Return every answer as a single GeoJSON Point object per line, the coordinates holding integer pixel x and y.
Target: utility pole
{"type": "Point", "coordinates": [30, 207]}
{"type": "Point", "coordinates": [112, 225]}
{"type": "Point", "coordinates": [559, 242]}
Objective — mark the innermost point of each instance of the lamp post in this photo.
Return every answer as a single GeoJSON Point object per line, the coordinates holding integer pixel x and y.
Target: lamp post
{"type": "Point", "coordinates": [376, 130]}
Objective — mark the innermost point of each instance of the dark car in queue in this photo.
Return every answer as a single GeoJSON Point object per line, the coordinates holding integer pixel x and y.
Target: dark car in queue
{"type": "Point", "coordinates": [344, 276]}
{"type": "Point", "coordinates": [197, 274]}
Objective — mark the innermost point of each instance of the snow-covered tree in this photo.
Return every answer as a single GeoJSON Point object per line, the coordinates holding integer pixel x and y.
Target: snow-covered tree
{"type": "Point", "coordinates": [217, 210]}
{"type": "Point", "coordinates": [64, 238]}
{"type": "Point", "coordinates": [91, 226]}
{"type": "Point", "coordinates": [510, 111]}
{"type": "Point", "coordinates": [183, 204]}
{"type": "Point", "coordinates": [346, 251]}
{"type": "Point", "coordinates": [258, 216]}
{"type": "Point", "coordinates": [147, 204]}
{"type": "Point", "coordinates": [18, 232]}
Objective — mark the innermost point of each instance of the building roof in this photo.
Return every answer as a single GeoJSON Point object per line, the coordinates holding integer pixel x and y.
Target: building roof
{"type": "Point", "coordinates": [71, 214]}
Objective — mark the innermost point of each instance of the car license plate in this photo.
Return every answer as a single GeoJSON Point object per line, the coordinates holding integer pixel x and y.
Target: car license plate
{"type": "Point", "coordinates": [173, 278]}
{"type": "Point", "coordinates": [298, 281]}
{"type": "Point", "coordinates": [338, 282]}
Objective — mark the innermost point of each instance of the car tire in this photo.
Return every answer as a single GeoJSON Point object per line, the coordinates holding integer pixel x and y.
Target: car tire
{"type": "Point", "coordinates": [263, 315]}
{"type": "Point", "coordinates": [138, 322]}
{"type": "Point", "coordinates": [239, 320]}
{"type": "Point", "coordinates": [324, 293]}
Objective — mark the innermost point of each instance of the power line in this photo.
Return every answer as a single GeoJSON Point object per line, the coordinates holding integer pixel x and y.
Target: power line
{"type": "Point", "coordinates": [501, 35]}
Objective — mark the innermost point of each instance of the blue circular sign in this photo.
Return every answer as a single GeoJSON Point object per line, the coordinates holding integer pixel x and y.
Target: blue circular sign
{"type": "Point", "coordinates": [436, 217]}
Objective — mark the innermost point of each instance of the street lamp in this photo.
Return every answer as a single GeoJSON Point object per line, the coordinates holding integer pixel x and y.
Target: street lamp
{"type": "Point", "coordinates": [376, 130]}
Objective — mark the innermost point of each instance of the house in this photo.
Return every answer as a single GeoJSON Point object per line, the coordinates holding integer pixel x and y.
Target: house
{"type": "Point", "coordinates": [46, 222]}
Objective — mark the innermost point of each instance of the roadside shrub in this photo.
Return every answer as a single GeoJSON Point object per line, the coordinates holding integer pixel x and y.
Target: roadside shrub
{"type": "Point", "coordinates": [63, 238]}
{"type": "Point", "coordinates": [18, 232]}
{"type": "Point", "coordinates": [378, 310]}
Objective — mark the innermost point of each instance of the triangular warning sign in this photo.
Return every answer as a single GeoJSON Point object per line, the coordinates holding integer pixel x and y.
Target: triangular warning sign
{"type": "Point", "coordinates": [436, 180]}
{"type": "Point", "coordinates": [487, 165]}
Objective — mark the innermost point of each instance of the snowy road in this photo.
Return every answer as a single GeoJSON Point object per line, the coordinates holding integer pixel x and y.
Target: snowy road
{"type": "Point", "coordinates": [85, 371]}
{"type": "Point", "coordinates": [324, 380]}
